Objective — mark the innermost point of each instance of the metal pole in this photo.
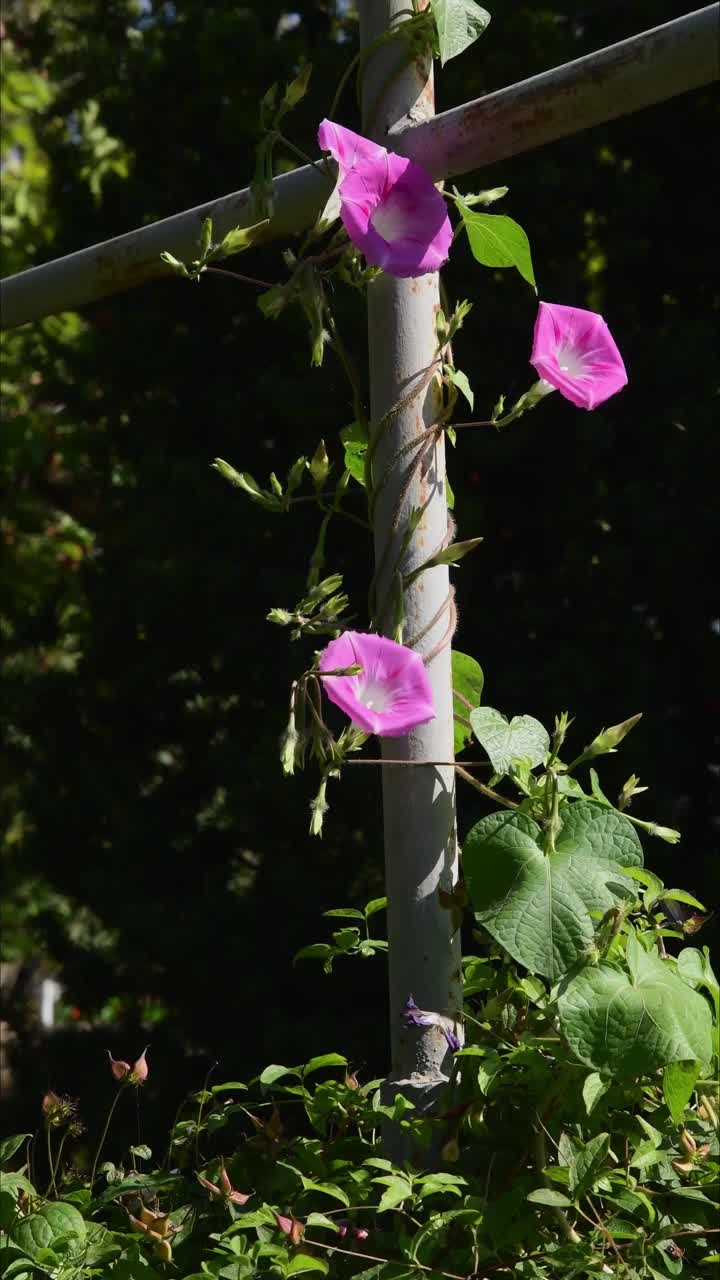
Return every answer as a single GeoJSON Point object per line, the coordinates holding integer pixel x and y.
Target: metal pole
{"type": "Point", "coordinates": [418, 803]}
{"type": "Point", "coordinates": [134, 258]}
{"type": "Point", "coordinates": [636, 73]}
{"type": "Point", "coordinates": [645, 69]}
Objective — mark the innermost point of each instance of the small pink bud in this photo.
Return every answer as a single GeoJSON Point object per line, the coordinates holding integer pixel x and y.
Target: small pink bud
{"type": "Point", "coordinates": [50, 1103]}
{"type": "Point", "coordinates": [119, 1068]}
{"type": "Point", "coordinates": [360, 1233]}
{"type": "Point", "coordinates": [139, 1073]}
{"type": "Point", "coordinates": [291, 1227]}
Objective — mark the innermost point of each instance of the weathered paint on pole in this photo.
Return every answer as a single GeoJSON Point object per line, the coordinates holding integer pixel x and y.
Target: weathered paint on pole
{"type": "Point", "coordinates": [646, 69]}
{"type": "Point", "coordinates": [418, 803]}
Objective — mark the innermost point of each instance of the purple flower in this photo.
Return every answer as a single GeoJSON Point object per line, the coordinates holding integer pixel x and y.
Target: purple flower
{"type": "Point", "coordinates": [390, 696]}
{"type": "Point", "coordinates": [391, 210]}
{"type": "Point", "coordinates": [575, 352]}
{"type": "Point", "coordinates": [414, 1017]}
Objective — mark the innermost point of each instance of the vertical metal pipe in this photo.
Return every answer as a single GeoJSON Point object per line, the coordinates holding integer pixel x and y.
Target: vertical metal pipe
{"type": "Point", "coordinates": [418, 803]}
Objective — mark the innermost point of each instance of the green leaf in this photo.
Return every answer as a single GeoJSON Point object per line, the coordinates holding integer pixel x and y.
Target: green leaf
{"type": "Point", "coordinates": [324, 1060]}
{"type": "Point", "coordinates": [632, 1024]}
{"type": "Point", "coordinates": [594, 1088]}
{"type": "Point", "coordinates": [459, 24]}
{"type": "Point", "coordinates": [346, 913]}
{"type": "Point", "coordinates": [537, 905]}
{"type": "Point", "coordinates": [8, 1146]}
{"type": "Point", "coordinates": [228, 1086]}
{"type": "Point", "coordinates": [433, 1184]}
{"type": "Point", "coordinates": [306, 1262]}
{"type": "Point", "coordinates": [547, 1195]}
{"type": "Point", "coordinates": [321, 1220]}
{"type": "Point", "coordinates": [276, 1072]}
{"type": "Point", "coordinates": [39, 1230]}
{"type": "Point", "coordinates": [498, 241]}
{"type": "Point", "coordinates": [435, 1230]}
{"type": "Point", "coordinates": [679, 895]}
{"type": "Point", "coordinates": [326, 1189]}
{"type": "Point", "coordinates": [589, 1160]}
{"type": "Point", "coordinates": [679, 1080]}
{"type": "Point", "coordinates": [354, 439]}
{"type": "Point", "coordinates": [375, 905]}
{"type": "Point", "coordinates": [142, 1152]}
{"type": "Point", "coordinates": [460, 380]}
{"type": "Point", "coordinates": [467, 684]}
{"type": "Point", "coordinates": [397, 1191]}
{"type": "Point", "coordinates": [522, 738]}
{"type": "Point", "coordinates": [694, 968]}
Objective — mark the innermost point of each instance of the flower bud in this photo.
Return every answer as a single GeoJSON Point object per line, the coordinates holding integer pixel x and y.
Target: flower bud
{"type": "Point", "coordinates": [51, 1104]}
{"type": "Point", "coordinates": [119, 1068]}
{"type": "Point", "coordinates": [687, 1142]}
{"type": "Point", "coordinates": [163, 1249]}
{"type": "Point", "coordinates": [608, 739]}
{"type": "Point", "coordinates": [139, 1073]}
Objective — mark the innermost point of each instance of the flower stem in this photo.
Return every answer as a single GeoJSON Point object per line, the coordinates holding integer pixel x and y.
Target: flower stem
{"type": "Point", "coordinates": [341, 85]}
{"type": "Point", "coordinates": [51, 1185]}
{"type": "Point", "coordinates": [101, 1143]}
{"type": "Point", "coordinates": [234, 275]}
{"type": "Point", "coordinates": [486, 791]}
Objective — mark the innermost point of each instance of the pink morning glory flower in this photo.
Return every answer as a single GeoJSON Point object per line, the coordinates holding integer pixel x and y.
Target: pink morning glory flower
{"type": "Point", "coordinates": [390, 695]}
{"type": "Point", "coordinates": [390, 208]}
{"type": "Point", "coordinates": [575, 352]}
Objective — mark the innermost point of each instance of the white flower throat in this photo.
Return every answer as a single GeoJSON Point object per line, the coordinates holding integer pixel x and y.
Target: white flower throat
{"type": "Point", "coordinates": [390, 221]}
{"type": "Point", "coordinates": [571, 361]}
{"type": "Point", "coordinates": [374, 695]}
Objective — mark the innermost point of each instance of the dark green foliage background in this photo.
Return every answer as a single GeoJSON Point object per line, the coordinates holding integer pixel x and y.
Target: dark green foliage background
{"type": "Point", "coordinates": [153, 852]}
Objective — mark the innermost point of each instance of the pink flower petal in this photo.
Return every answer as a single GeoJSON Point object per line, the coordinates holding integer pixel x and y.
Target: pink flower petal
{"type": "Point", "coordinates": [390, 696]}
{"type": "Point", "coordinates": [389, 206]}
{"type": "Point", "coordinates": [575, 352]}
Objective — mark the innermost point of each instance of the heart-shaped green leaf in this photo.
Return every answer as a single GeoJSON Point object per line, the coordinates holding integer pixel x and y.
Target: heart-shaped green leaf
{"type": "Point", "coordinates": [39, 1230]}
{"type": "Point", "coordinates": [633, 1023]}
{"type": "Point", "coordinates": [538, 905]}
{"type": "Point", "coordinates": [505, 741]}
{"type": "Point", "coordinates": [459, 23]}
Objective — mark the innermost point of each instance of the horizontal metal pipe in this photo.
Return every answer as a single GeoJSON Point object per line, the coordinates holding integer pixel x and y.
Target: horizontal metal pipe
{"type": "Point", "coordinates": [636, 73]}
{"type": "Point", "coordinates": [639, 72]}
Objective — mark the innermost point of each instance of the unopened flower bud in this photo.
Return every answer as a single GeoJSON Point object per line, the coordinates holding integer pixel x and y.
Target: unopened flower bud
{"type": "Point", "coordinates": [119, 1068]}
{"type": "Point", "coordinates": [687, 1142]}
{"type": "Point", "coordinates": [51, 1103]}
{"type": "Point", "coordinates": [608, 739]}
{"type": "Point", "coordinates": [139, 1073]}
{"type": "Point", "coordinates": [360, 1233]}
